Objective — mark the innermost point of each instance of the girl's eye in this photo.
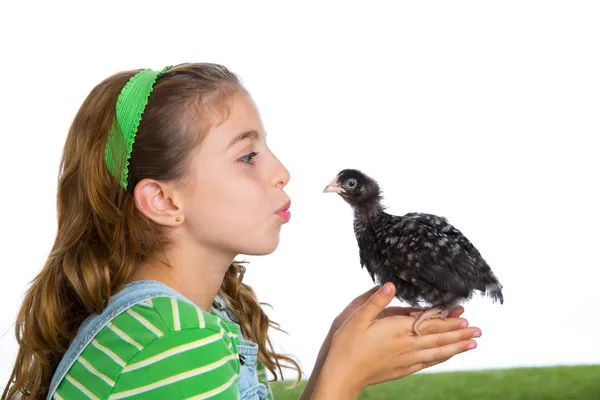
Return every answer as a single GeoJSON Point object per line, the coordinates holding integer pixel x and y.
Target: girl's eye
{"type": "Point", "coordinates": [248, 158]}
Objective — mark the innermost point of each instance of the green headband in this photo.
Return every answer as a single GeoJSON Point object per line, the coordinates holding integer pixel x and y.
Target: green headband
{"type": "Point", "coordinates": [130, 107]}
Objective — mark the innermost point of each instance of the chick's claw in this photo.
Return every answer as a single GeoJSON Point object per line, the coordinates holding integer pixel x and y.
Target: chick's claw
{"type": "Point", "coordinates": [421, 316]}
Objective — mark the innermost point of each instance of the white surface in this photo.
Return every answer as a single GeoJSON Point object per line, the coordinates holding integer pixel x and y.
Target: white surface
{"type": "Point", "coordinates": [485, 113]}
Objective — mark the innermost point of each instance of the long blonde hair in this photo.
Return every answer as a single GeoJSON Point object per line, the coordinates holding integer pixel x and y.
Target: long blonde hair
{"type": "Point", "coordinates": [101, 235]}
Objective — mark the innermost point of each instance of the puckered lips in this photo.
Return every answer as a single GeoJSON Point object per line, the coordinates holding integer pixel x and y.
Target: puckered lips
{"type": "Point", "coordinates": [284, 212]}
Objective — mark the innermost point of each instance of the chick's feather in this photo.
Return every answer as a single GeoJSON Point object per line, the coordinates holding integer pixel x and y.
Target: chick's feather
{"type": "Point", "coordinates": [431, 263]}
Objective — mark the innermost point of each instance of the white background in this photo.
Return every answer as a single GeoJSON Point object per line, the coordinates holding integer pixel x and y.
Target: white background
{"type": "Point", "coordinates": [484, 112]}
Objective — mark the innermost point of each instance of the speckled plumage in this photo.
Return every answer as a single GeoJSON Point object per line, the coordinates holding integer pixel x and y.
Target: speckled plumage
{"type": "Point", "coordinates": [431, 263]}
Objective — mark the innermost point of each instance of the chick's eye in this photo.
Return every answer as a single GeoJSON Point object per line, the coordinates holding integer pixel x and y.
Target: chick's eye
{"type": "Point", "coordinates": [351, 183]}
{"type": "Point", "coordinates": [248, 158]}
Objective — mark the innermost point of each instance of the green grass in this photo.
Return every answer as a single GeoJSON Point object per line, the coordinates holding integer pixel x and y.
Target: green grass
{"type": "Point", "coordinates": [552, 383]}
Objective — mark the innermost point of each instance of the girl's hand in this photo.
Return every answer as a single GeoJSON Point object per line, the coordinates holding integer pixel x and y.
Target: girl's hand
{"type": "Point", "coordinates": [387, 312]}
{"type": "Point", "coordinates": [371, 347]}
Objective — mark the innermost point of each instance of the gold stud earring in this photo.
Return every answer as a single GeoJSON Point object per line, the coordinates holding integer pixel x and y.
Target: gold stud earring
{"type": "Point", "coordinates": [178, 219]}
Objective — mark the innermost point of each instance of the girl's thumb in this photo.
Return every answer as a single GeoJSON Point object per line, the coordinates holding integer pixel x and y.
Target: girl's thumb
{"type": "Point", "coordinates": [377, 302]}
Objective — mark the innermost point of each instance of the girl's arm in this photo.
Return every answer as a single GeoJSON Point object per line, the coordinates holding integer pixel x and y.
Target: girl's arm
{"type": "Point", "coordinates": [314, 376]}
{"type": "Point", "coordinates": [337, 323]}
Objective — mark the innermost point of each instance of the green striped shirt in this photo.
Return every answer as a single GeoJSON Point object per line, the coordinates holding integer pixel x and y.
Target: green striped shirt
{"type": "Point", "coordinates": [162, 348]}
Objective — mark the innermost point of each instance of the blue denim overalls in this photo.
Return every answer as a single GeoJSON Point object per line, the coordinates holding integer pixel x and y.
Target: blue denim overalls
{"type": "Point", "coordinates": [249, 386]}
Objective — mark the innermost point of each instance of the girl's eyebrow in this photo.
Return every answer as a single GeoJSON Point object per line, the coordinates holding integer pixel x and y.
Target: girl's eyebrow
{"type": "Point", "coordinates": [253, 134]}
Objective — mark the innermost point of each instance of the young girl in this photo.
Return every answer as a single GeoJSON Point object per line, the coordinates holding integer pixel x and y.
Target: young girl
{"type": "Point", "coordinates": [165, 178]}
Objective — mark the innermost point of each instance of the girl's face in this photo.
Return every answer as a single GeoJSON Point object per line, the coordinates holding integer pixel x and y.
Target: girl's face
{"type": "Point", "coordinates": [236, 201]}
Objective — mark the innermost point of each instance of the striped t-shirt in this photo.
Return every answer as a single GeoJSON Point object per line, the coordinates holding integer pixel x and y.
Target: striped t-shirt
{"type": "Point", "coordinates": [161, 348]}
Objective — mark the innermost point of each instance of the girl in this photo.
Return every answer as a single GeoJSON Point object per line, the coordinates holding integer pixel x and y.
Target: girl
{"type": "Point", "coordinates": [165, 178]}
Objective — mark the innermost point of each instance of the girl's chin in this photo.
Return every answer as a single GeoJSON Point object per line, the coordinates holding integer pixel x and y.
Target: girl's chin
{"type": "Point", "coordinates": [263, 249]}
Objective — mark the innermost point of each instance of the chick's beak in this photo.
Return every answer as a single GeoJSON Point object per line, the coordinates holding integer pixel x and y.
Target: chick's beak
{"type": "Point", "coordinates": [333, 187]}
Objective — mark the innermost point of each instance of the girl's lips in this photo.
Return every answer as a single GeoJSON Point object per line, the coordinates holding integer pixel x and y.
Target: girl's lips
{"type": "Point", "coordinates": [284, 212]}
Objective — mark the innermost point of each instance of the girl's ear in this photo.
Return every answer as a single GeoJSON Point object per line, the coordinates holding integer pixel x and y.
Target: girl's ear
{"type": "Point", "coordinates": [158, 201]}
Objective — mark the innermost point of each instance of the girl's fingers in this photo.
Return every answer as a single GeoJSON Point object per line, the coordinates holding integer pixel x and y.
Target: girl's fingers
{"type": "Point", "coordinates": [438, 325]}
{"type": "Point", "coordinates": [391, 311]}
{"type": "Point", "coordinates": [395, 310]}
{"type": "Point", "coordinates": [444, 339]}
{"type": "Point", "coordinates": [444, 352]}
{"type": "Point", "coordinates": [403, 325]}
{"type": "Point", "coordinates": [456, 312]}
{"type": "Point", "coordinates": [420, 366]}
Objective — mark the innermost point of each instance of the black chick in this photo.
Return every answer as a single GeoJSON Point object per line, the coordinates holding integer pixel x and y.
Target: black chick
{"type": "Point", "coordinates": [430, 262]}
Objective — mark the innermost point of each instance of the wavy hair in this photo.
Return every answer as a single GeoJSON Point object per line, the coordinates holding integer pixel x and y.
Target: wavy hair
{"type": "Point", "coordinates": [102, 236]}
